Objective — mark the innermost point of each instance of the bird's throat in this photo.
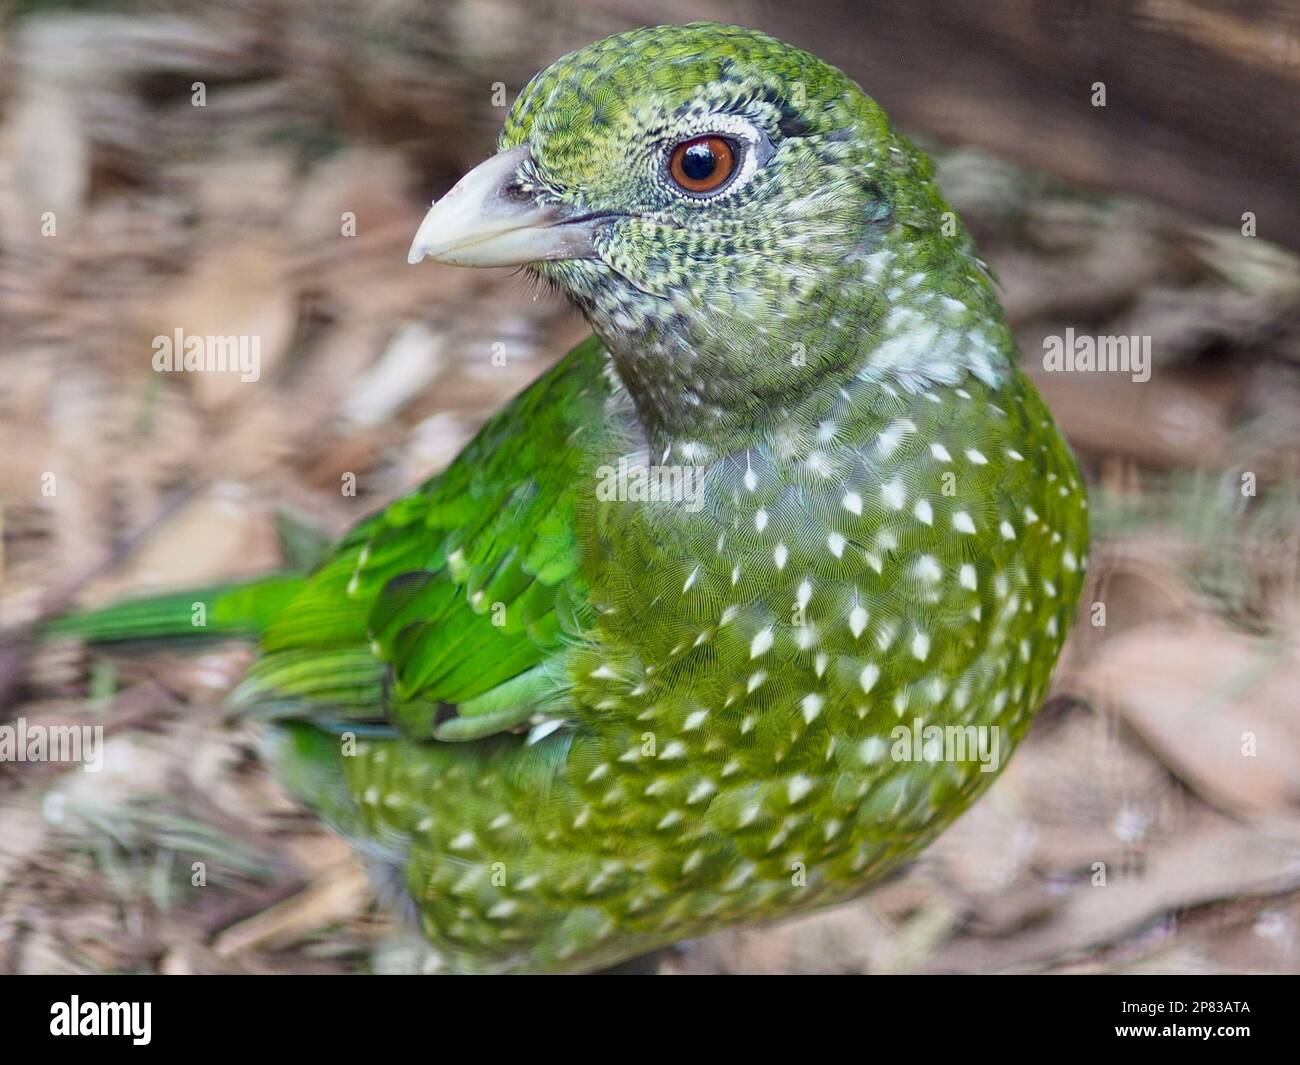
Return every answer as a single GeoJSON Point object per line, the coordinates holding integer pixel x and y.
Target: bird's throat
{"type": "Point", "coordinates": [720, 384]}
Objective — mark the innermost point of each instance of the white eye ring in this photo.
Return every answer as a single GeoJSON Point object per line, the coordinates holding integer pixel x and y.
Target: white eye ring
{"type": "Point", "coordinates": [743, 137]}
{"type": "Point", "coordinates": [727, 157]}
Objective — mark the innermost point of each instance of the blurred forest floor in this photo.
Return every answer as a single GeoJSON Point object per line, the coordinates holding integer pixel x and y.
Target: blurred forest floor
{"type": "Point", "coordinates": [227, 219]}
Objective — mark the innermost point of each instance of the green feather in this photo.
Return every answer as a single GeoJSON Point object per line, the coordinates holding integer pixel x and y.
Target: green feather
{"type": "Point", "coordinates": [223, 611]}
{"type": "Point", "coordinates": [576, 719]}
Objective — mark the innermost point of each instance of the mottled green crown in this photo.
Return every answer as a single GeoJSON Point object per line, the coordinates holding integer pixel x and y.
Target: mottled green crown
{"type": "Point", "coordinates": [831, 253]}
{"type": "Point", "coordinates": [582, 112]}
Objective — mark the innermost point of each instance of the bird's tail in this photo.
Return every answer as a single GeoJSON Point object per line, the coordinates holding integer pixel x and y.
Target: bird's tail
{"type": "Point", "coordinates": [219, 612]}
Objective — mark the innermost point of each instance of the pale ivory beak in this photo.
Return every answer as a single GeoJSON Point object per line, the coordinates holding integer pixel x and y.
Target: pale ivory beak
{"type": "Point", "coordinates": [480, 223]}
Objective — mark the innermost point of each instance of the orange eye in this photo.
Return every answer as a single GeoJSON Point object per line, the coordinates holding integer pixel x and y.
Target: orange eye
{"type": "Point", "coordinates": [702, 164]}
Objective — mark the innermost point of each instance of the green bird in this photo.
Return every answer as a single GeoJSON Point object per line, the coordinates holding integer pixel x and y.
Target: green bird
{"type": "Point", "coordinates": [694, 630]}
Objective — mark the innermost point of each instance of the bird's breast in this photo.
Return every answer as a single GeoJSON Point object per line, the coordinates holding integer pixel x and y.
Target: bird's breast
{"type": "Point", "coordinates": [811, 654]}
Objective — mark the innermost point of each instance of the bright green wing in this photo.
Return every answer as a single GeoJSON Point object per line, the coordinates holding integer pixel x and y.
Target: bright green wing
{"type": "Point", "coordinates": [448, 613]}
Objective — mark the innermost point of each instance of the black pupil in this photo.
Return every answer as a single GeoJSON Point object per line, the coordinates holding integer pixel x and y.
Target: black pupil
{"type": "Point", "coordinates": [699, 162]}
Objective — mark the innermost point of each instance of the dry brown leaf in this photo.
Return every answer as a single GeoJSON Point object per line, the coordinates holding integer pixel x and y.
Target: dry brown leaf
{"type": "Point", "coordinates": [1211, 860]}
{"type": "Point", "coordinates": [216, 536]}
{"type": "Point", "coordinates": [1217, 706]}
{"type": "Point", "coordinates": [238, 291]}
{"type": "Point", "coordinates": [1160, 422]}
{"type": "Point", "coordinates": [336, 895]}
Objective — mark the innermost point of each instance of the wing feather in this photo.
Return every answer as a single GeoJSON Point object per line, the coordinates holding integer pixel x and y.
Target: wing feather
{"type": "Point", "coordinates": [449, 613]}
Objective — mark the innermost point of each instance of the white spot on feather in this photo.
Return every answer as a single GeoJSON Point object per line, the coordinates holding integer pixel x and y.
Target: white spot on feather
{"type": "Point", "coordinates": [920, 646]}
{"type": "Point", "coordinates": [857, 621]}
{"type": "Point", "coordinates": [869, 675]}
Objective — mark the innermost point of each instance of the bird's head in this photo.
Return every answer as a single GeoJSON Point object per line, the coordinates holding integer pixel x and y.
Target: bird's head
{"type": "Point", "coordinates": [736, 218]}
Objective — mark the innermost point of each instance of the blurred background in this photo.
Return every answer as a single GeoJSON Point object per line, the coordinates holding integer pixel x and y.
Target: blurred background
{"type": "Point", "coordinates": [259, 167]}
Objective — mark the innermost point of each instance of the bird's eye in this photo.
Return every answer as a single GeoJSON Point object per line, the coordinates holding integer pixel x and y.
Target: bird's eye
{"type": "Point", "coordinates": [702, 164]}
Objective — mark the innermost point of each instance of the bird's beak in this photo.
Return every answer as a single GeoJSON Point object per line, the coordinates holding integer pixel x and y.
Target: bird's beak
{"type": "Point", "coordinates": [485, 220]}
